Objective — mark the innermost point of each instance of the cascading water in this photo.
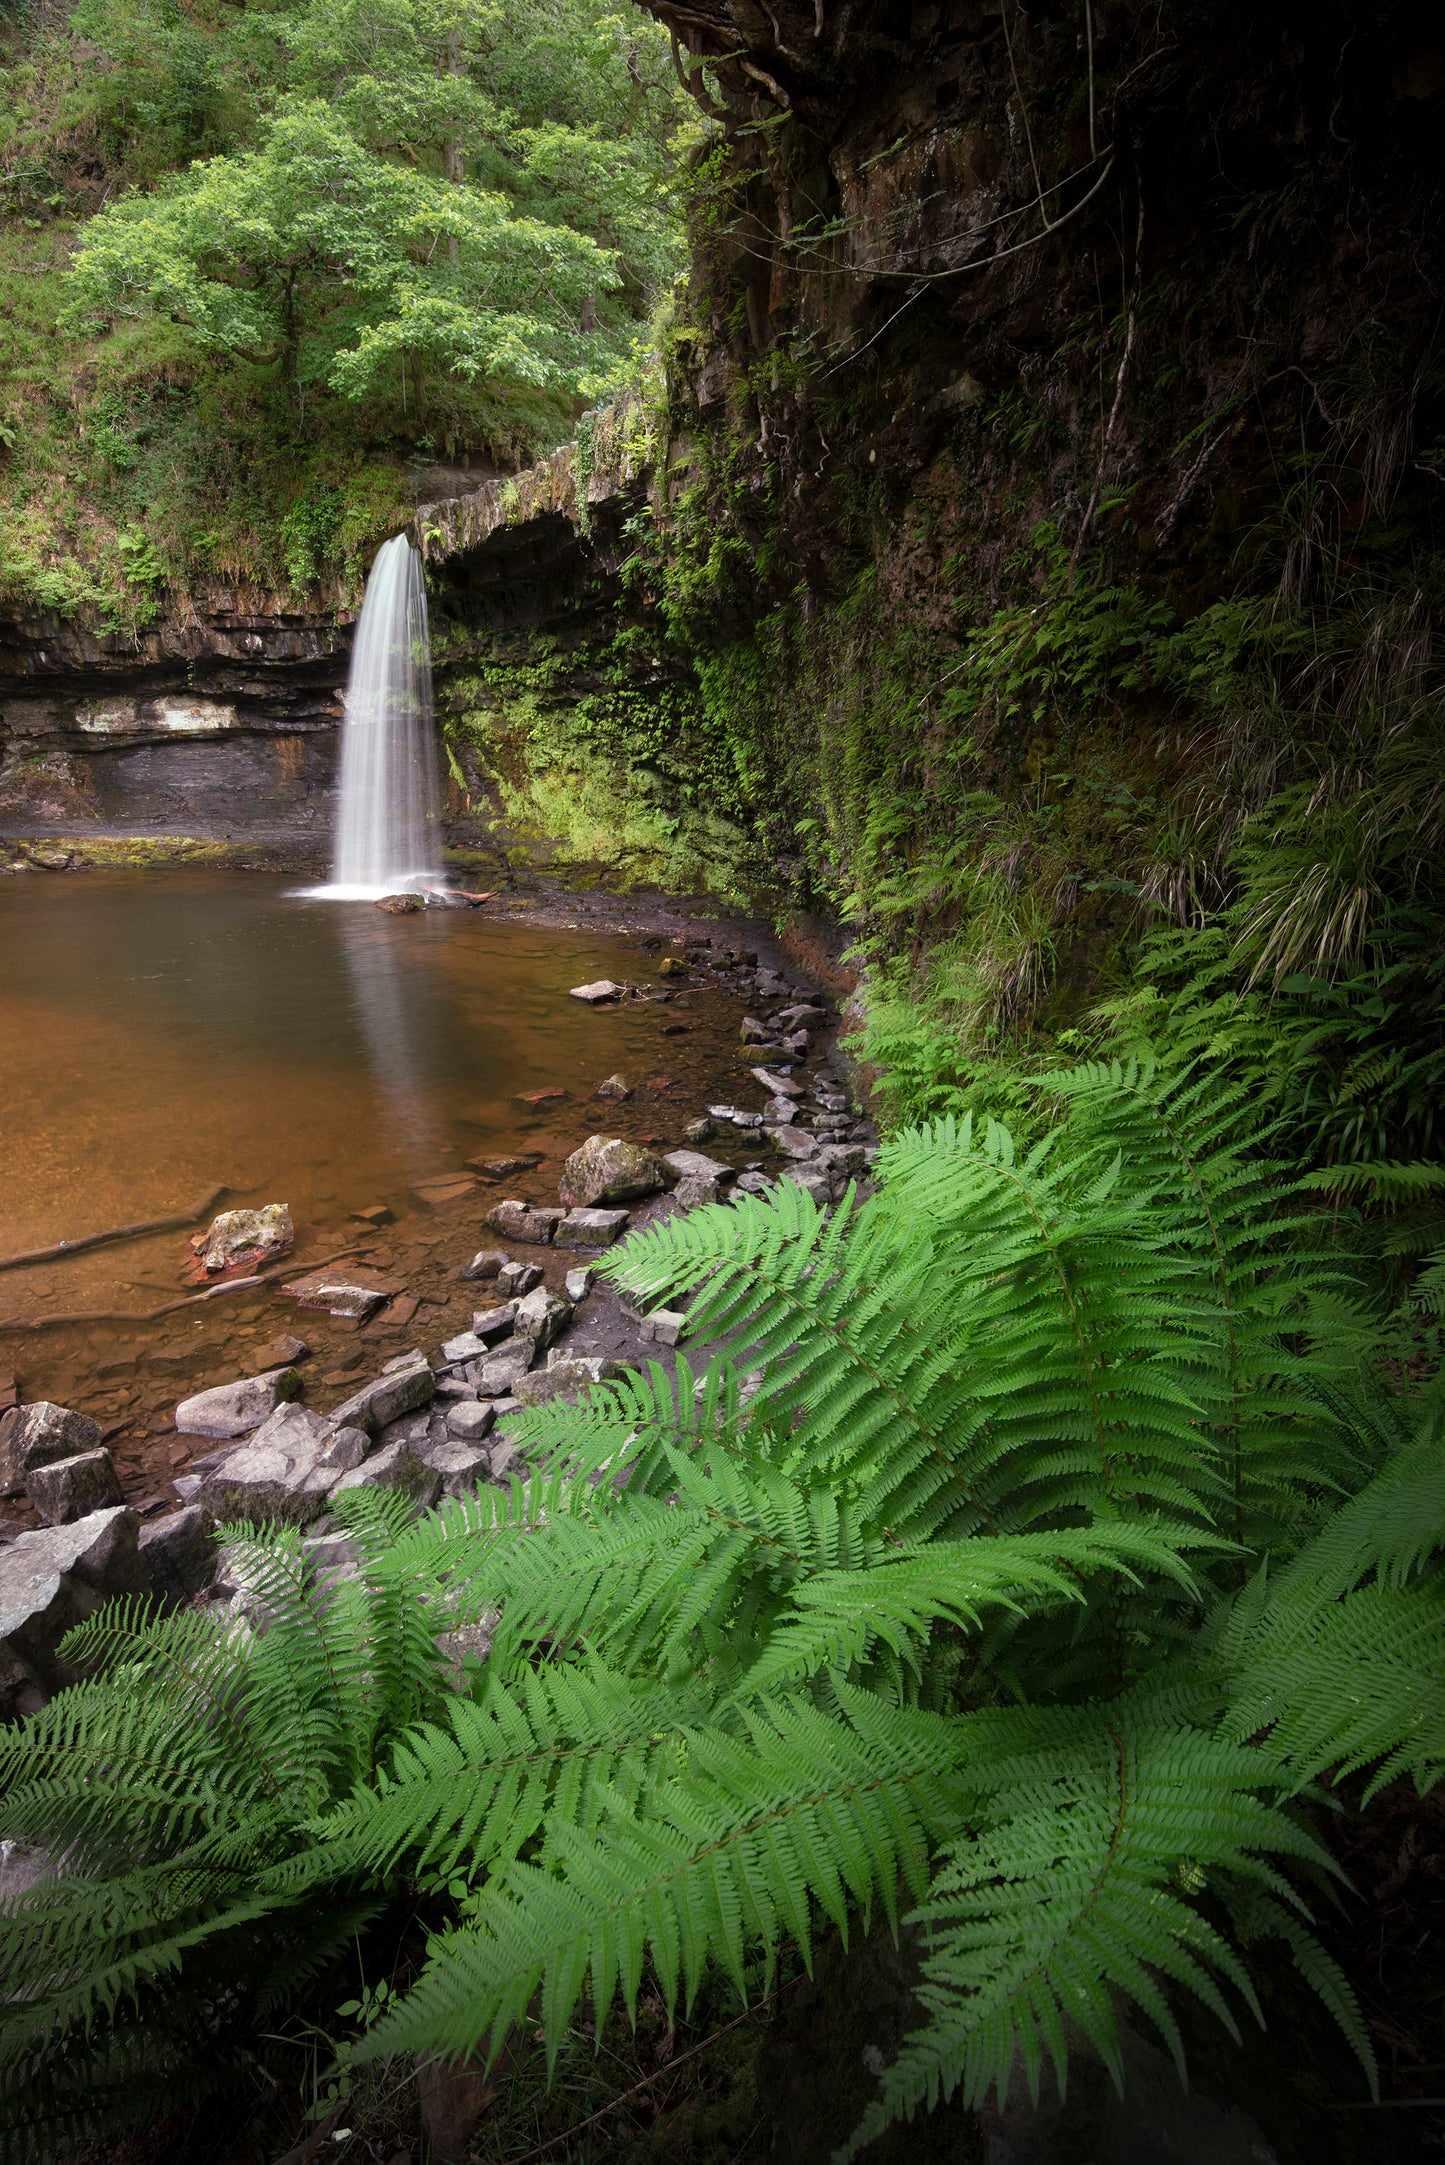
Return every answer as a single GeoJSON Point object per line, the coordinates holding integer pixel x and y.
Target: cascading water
{"type": "Point", "coordinates": [387, 827]}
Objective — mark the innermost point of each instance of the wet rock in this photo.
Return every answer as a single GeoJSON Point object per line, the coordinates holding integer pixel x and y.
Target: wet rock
{"type": "Point", "coordinates": [345, 1451]}
{"type": "Point", "coordinates": [841, 1160]}
{"type": "Point", "coordinates": [524, 1221]}
{"type": "Point", "coordinates": [608, 1170]}
{"type": "Point", "coordinates": [520, 1277]}
{"type": "Point", "coordinates": [234, 1409]}
{"type": "Point", "coordinates": [444, 1189]}
{"type": "Point", "coordinates": [499, 1376]}
{"type": "Point", "coordinates": [672, 966]}
{"type": "Point", "coordinates": [542, 1317]}
{"type": "Point", "coordinates": [281, 1351]}
{"type": "Point", "coordinates": [397, 1466]}
{"type": "Point", "coordinates": [239, 1237]}
{"type": "Point", "coordinates": [466, 1346]}
{"type": "Point", "coordinates": [603, 989]}
{"type": "Point", "coordinates": [578, 1283]}
{"type": "Point", "coordinates": [755, 1183]}
{"type": "Point", "coordinates": [486, 1263]}
{"type": "Point", "coordinates": [339, 1296]}
{"type": "Point", "coordinates": [795, 1044]}
{"type": "Point", "coordinates": [374, 1214]}
{"type": "Point", "coordinates": [754, 1032]}
{"type": "Point", "coordinates": [779, 1113]}
{"type": "Point", "coordinates": [492, 1325]}
{"type": "Point", "coordinates": [470, 1421]}
{"type": "Point", "coordinates": [387, 1398]}
{"type": "Point", "coordinates": [71, 1488]}
{"type": "Point", "coordinates": [663, 1327]}
{"type": "Point", "coordinates": [51, 1581]}
{"type": "Point", "coordinates": [781, 1085]}
{"type": "Point", "coordinates": [616, 1086]}
{"type": "Point", "coordinates": [591, 1228]}
{"type": "Point", "coordinates": [699, 1131]}
{"type": "Point", "coordinates": [503, 1168]}
{"type": "Point", "coordinates": [38, 1435]}
{"type": "Point", "coordinates": [747, 1120]}
{"type": "Point", "coordinates": [802, 1013]}
{"type": "Point", "coordinates": [692, 1164]}
{"type": "Point", "coordinates": [180, 1553]}
{"type": "Point", "coordinates": [401, 905]}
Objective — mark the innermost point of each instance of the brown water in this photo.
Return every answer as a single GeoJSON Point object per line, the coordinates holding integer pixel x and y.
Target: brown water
{"type": "Point", "coordinates": [164, 1032]}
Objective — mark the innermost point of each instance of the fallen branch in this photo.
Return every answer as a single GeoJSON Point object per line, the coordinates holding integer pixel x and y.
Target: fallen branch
{"type": "Point", "coordinates": [170, 1308]}
{"type": "Point", "coordinates": [171, 1224]}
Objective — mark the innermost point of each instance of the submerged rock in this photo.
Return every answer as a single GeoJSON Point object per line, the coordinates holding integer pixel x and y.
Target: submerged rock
{"type": "Point", "coordinates": [486, 1263]}
{"type": "Point", "coordinates": [616, 1086]}
{"type": "Point", "coordinates": [606, 1169]}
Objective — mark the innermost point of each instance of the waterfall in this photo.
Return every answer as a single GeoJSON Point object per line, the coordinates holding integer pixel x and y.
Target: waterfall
{"type": "Point", "coordinates": [387, 826]}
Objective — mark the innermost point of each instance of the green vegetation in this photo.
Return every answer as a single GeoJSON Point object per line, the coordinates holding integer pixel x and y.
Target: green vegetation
{"type": "Point", "coordinates": [1015, 1570]}
{"type": "Point", "coordinates": [253, 261]}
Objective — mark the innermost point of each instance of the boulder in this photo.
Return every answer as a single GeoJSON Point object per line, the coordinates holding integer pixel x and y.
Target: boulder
{"type": "Point", "coordinates": [578, 1283]}
{"type": "Point", "coordinates": [841, 1160]}
{"type": "Point", "coordinates": [542, 1317]}
{"type": "Point", "coordinates": [180, 1553]}
{"type": "Point", "coordinates": [594, 994]}
{"type": "Point", "coordinates": [241, 1237]}
{"type": "Point", "coordinates": [38, 1435]}
{"type": "Point", "coordinates": [387, 1398]}
{"type": "Point", "coordinates": [591, 1228]}
{"type": "Point", "coordinates": [486, 1263]}
{"type": "Point", "coordinates": [608, 1170]}
{"type": "Point", "coordinates": [71, 1488]}
{"type": "Point", "coordinates": [811, 1181]}
{"type": "Point", "coordinates": [398, 1466]}
{"type": "Point", "coordinates": [521, 1277]}
{"type": "Point", "coordinates": [497, 1377]}
{"type": "Point", "coordinates": [755, 1183]}
{"type": "Point", "coordinates": [463, 1467]}
{"type": "Point", "coordinates": [616, 1086]}
{"type": "Point", "coordinates": [569, 1379]}
{"type": "Point", "coordinates": [469, 1421]}
{"type": "Point", "coordinates": [663, 1327]}
{"type": "Point", "coordinates": [524, 1221]}
{"type": "Point", "coordinates": [401, 905]}
{"type": "Point", "coordinates": [696, 1189]}
{"type": "Point", "coordinates": [794, 1142]}
{"type": "Point", "coordinates": [234, 1409]}
{"type": "Point", "coordinates": [51, 1581]}
{"type": "Point", "coordinates": [346, 1449]}
{"type": "Point", "coordinates": [275, 1477]}
{"type": "Point", "coordinates": [492, 1325]}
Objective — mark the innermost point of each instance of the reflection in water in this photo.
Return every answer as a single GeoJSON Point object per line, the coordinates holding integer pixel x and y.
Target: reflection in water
{"type": "Point", "coordinates": [404, 1026]}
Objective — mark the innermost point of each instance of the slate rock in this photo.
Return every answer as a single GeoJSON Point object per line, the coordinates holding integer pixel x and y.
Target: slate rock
{"type": "Point", "coordinates": [506, 1461]}
{"type": "Point", "coordinates": [339, 1296]}
{"type": "Point", "coordinates": [699, 1131]}
{"type": "Point", "coordinates": [492, 1325]}
{"type": "Point", "coordinates": [591, 1228]}
{"type": "Point", "coordinates": [345, 1451]}
{"type": "Point", "coordinates": [38, 1435]}
{"type": "Point", "coordinates": [697, 1189]}
{"type": "Point", "coordinates": [615, 1086]}
{"type": "Point", "coordinates": [663, 1327]}
{"type": "Point", "coordinates": [606, 1169]}
{"type": "Point", "coordinates": [497, 1377]}
{"type": "Point", "coordinates": [503, 1168]}
{"type": "Point", "coordinates": [568, 1378]}
{"type": "Point", "coordinates": [578, 1283]}
{"type": "Point", "coordinates": [520, 1277]}
{"type": "Point", "coordinates": [811, 1182]}
{"type": "Point", "coordinates": [754, 1032]}
{"type": "Point", "coordinates": [524, 1221]}
{"type": "Point", "coordinates": [486, 1263]}
{"type": "Point", "coordinates": [234, 1409]}
{"type": "Point", "coordinates": [841, 1159]}
{"type": "Point", "coordinates": [469, 1421]}
{"type": "Point", "coordinates": [461, 1466]}
{"type": "Point", "coordinates": [274, 1478]}
{"type": "Point", "coordinates": [685, 1163]}
{"type": "Point", "coordinates": [755, 1183]}
{"type": "Point", "coordinates": [71, 1488]}
{"type": "Point", "coordinates": [387, 1398]}
{"type": "Point", "coordinates": [594, 994]}
{"type": "Point", "coordinates": [50, 1581]}
{"type": "Point", "coordinates": [180, 1553]}
{"type": "Point", "coordinates": [780, 1113]}
{"type": "Point", "coordinates": [542, 1317]}
{"type": "Point", "coordinates": [466, 1346]}
{"type": "Point", "coordinates": [774, 1079]}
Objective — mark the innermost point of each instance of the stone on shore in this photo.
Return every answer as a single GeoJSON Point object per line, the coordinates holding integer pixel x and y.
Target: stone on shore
{"type": "Point", "coordinates": [812, 1182]}
{"type": "Point", "coordinates": [793, 1142]}
{"type": "Point", "coordinates": [530, 1222]}
{"type": "Point", "coordinates": [542, 1317]}
{"type": "Point", "coordinates": [462, 1467]}
{"type": "Point", "coordinates": [180, 1553]}
{"type": "Point", "coordinates": [520, 1277]}
{"type": "Point", "coordinates": [779, 1113]}
{"type": "Point", "coordinates": [239, 1237]}
{"type": "Point", "coordinates": [696, 1189]}
{"type": "Point", "coordinates": [400, 1391]}
{"type": "Point", "coordinates": [687, 1164]}
{"type": "Point", "coordinates": [603, 989]}
{"type": "Point", "coordinates": [492, 1325]}
{"type": "Point", "coordinates": [469, 1421]}
{"type": "Point", "coordinates": [498, 1377]}
{"type": "Point", "coordinates": [606, 1169]}
{"type": "Point", "coordinates": [841, 1160]}
{"type": "Point", "coordinates": [396, 1466]}
{"type": "Point", "coordinates": [38, 1435]}
{"type": "Point", "coordinates": [663, 1327]}
{"type": "Point", "coordinates": [274, 1477]}
{"type": "Point", "coordinates": [234, 1409]}
{"type": "Point", "coordinates": [782, 1086]}
{"type": "Point", "coordinates": [71, 1488]}
{"type": "Point", "coordinates": [486, 1263]}
{"type": "Point", "coordinates": [50, 1581]}
{"type": "Point", "coordinates": [567, 1378]}
{"type": "Point", "coordinates": [590, 1228]}
{"type": "Point", "coordinates": [755, 1182]}
{"type": "Point", "coordinates": [578, 1283]}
